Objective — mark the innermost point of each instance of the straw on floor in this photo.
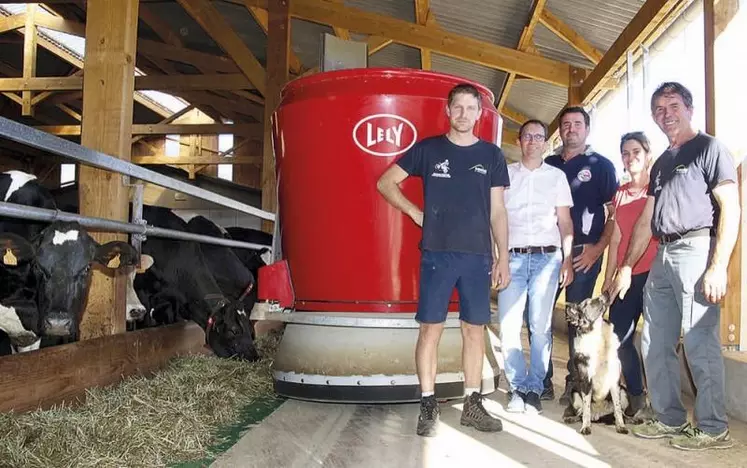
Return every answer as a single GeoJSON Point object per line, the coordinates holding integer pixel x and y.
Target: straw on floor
{"type": "Point", "coordinates": [168, 418]}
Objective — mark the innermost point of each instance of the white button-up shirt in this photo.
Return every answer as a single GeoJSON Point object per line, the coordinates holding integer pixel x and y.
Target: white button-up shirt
{"type": "Point", "coordinates": [531, 202]}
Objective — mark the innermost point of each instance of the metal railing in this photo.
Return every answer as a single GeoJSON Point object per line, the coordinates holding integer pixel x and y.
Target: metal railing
{"type": "Point", "coordinates": [34, 138]}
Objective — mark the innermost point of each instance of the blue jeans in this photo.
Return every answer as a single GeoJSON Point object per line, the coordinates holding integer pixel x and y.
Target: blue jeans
{"type": "Point", "coordinates": [624, 315]}
{"type": "Point", "coordinates": [534, 282]}
{"type": "Point", "coordinates": [673, 302]}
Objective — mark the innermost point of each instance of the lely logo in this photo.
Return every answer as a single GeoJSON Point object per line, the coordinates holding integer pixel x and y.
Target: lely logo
{"type": "Point", "coordinates": [384, 134]}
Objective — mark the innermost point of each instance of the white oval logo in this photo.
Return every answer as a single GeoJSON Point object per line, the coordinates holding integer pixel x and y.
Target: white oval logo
{"type": "Point", "coordinates": [384, 134]}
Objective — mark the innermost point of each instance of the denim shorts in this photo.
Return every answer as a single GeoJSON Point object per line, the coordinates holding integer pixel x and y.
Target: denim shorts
{"type": "Point", "coordinates": [440, 272]}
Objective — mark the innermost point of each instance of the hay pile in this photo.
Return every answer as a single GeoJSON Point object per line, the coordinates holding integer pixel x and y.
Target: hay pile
{"type": "Point", "coordinates": [168, 418]}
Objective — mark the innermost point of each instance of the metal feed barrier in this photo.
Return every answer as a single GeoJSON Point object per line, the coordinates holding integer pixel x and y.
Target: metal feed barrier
{"type": "Point", "coordinates": [34, 138]}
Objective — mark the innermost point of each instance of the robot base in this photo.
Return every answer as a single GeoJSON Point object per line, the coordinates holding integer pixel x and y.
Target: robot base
{"type": "Point", "coordinates": [367, 358]}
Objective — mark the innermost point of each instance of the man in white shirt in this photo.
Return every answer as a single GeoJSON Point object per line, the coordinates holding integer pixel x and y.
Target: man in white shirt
{"type": "Point", "coordinates": [540, 240]}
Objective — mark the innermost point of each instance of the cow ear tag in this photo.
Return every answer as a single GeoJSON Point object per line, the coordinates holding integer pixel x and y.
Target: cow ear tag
{"type": "Point", "coordinates": [114, 262]}
{"type": "Point", "coordinates": [9, 258]}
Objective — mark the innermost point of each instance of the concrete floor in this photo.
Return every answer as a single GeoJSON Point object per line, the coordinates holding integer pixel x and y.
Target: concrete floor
{"type": "Point", "coordinates": [303, 434]}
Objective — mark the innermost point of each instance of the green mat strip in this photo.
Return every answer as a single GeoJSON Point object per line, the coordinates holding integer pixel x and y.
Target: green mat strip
{"type": "Point", "coordinates": [228, 436]}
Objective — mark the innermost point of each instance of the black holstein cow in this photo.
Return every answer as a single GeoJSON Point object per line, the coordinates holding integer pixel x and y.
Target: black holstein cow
{"type": "Point", "coordinates": [181, 283]}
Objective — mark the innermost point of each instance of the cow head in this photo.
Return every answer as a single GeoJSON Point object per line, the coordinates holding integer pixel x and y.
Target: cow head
{"type": "Point", "coordinates": [63, 256]}
{"type": "Point", "coordinates": [135, 309]}
{"type": "Point", "coordinates": [583, 315]}
{"type": "Point", "coordinates": [229, 332]}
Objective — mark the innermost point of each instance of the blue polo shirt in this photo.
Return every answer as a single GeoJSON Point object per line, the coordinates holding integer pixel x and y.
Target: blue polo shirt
{"type": "Point", "coordinates": [593, 182]}
{"type": "Point", "coordinates": [456, 184]}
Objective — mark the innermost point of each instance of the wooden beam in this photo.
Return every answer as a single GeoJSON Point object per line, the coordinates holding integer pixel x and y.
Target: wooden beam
{"type": "Point", "coordinates": [167, 120]}
{"type": "Point", "coordinates": [260, 16]}
{"type": "Point", "coordinates": [278, 47]}
{"type": "Point", "coordinates": [514, 115]}
{"type": "Point", "coordinates": [29, 57]}
{"type": "Point", "coordinates": [709, 37]}
{"type": "Point", "coordinates": [215, 63]}
{"type": "Point", "coordinates": [440, 41]}
{"type": "Point", "coordinates": [179, 161]}
{"type": "Point", "coordinates": [423, 16]}
{"type": "Point", "coordinates": [64, 373]}
{"type": "Point", "coordinates": [216, 26]}
{"type": "Point", "coordinates": [641, 26]}
{"type": "Point", "coordinates": [57, 23]}
{"type": "Point", "coordinates": [509, 137]}
{"type": "Point", "coordinates": [70, 111]}
{"type": "Point", "coordinates": [525, 41]}
{"type": "Point", "coordinates": [376, 43]}
{"type": "Point", "coordinates": [733, 304]}
{"type": "Point", "coordinates": [219, 82]}
{"type": "Point", "coordinates": [576, 78]}
{"type": "Point", "coordinates": [10, 23]}
{"type": "Point", "coordinates": [111, 32]}
{"type": "Point", "coordinates": [249, 130]}
{"type": "Point", "coordinates": [158, 24]}
{"type": "Point", "coordinates": [574, 39]}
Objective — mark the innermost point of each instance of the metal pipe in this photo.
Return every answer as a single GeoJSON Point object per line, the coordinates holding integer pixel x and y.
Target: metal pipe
{"type": "Point", "coordinates": [33, 213]}
{"type": "Point", "coordinates": [137, 215]}
{"type": "Point", "coordinates": [44, 141]}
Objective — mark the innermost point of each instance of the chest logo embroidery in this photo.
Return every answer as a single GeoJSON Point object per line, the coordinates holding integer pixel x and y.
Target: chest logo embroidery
{"type": "Point", "coordinates": [479, 169]}
{"type": "Point", "coordinates": [584, 175]}
{"type": "Point", "coordinates": [681, 169]}
{"type": "Point", "coordinates": [442, 170]}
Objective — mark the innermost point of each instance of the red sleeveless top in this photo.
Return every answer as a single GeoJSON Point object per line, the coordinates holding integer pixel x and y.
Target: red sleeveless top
{"type": "Point", "coordinates": [629, 204]}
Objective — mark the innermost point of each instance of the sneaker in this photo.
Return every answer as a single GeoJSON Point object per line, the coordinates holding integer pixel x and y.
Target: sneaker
{"type": "Point", "coordinates": [695, 439]}
{"type": "Point", "coordinates": [516, 403]}
{"type": "Point", "coordinates": [548, 394]}
{"type": "Point", "coordinates": [533, 404]}
{"type": "Point", "coordinates": [655, 429]}
{"type": "Point", "coordinates": [429, 415]}
{"type": "Point", "coordinates": [474, 414]}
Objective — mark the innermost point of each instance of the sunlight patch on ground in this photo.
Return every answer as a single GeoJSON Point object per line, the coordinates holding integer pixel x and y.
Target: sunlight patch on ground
{"type": "Point", "coordinates": [452, 447]}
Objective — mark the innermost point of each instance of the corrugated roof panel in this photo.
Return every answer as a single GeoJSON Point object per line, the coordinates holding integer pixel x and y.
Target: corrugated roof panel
{"type": "Point", "coordinates": [600, 23]}
{"type": "Point", "coordinates": [395, 55]}
{"type": "Point", "coordinates": [536, 99]}
{"type": "Point", "coordinates": [553, 47]}
{"type": "Point", "coordinates": [243, 23]}
{"type": "Point", "coordinates": [306, 41]}
{"type": "Point", "coordinates": [400, 9]}
{"type": "Point", "coordinates": [496, 22]}
{"type": "Point", "coordinates": [191, 33]}
{"type": "Point", "coordinates": [489, 77]}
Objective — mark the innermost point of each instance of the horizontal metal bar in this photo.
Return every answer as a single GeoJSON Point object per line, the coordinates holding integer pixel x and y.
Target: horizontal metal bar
{"type": "Point", "coordinates": [44, 141]}
{"type": "Point", "coordinates": [14, 210]}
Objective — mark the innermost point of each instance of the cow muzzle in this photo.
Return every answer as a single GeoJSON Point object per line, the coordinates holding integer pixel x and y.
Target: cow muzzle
{"type": "Point", "coordinates": [57, 324]}
{"type": "Point", "coordinates": [135, 314]}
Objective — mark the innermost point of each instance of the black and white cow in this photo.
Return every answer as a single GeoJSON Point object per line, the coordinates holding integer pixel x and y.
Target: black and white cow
{"type": "Point", "coordinates": [180, 282]}
{"type": "Point", "coordinates": [61, 258]}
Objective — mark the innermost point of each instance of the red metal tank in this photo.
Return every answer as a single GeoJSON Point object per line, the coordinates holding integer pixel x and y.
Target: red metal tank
{"type": "Point", "coordinates": [335, 133]}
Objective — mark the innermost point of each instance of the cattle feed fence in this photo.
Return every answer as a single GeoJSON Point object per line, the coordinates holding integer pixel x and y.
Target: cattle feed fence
{"type": "Point", "coordinates": [52, 144]}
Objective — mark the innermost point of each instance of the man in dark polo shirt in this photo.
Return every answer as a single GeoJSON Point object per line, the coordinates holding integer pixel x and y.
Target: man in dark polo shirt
{"type": "Point", "coordinates": [463, 181]}
{"type": "Point", "coordinates": [693, 192]}
{"type": "Point", "coordinates": [593, 182]}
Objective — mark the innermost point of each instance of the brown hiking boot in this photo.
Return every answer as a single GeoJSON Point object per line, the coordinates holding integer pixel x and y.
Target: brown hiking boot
{"type": "Point", "coordinates": [429, 415]}
{"type": "Point", "coordinates": [474, 414]}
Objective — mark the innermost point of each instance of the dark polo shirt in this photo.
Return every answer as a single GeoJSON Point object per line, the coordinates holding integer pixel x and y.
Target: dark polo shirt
{"type": "Point", "coordinates": [593, 182]}
{"type": "Point", "coordinates": [682, 183]}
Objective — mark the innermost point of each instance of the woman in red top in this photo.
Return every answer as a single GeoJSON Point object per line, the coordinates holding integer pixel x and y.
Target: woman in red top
{"type": "Point", "coordinates": [624, 314]}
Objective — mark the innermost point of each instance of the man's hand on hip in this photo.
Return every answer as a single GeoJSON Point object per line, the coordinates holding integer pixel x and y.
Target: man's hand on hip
{"type": "Point", "coordinates": [714, 283]}
{"type": "Point", "coordinates": [417, 216]}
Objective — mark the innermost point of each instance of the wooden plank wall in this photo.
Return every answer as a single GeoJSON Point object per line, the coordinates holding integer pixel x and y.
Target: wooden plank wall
{"type": "Point", "coordinates": [62, 373]}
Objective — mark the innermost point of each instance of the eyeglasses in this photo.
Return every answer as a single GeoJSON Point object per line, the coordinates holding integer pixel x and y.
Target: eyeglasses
{"type": "Point", "coordinates": [538, 137]}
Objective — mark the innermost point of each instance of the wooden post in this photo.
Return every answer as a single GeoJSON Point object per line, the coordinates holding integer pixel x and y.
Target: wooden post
{"type": "Point", "coordinates": [246, 174]}
{"type": "Point", "coordinates": [29, 57]}
{"type": "Point", "coordinates": [710, 86]}
{"type": "Point", "coordinates": [577, 77]}
{"type": "Point", "coordinates": [108, 88]}
{"type": "Point", "coordinates": [278, 51]}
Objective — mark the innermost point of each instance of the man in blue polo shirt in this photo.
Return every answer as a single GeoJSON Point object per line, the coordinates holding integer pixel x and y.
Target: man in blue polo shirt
{"type": "Point", "coordinates": [593, 182]}
{"type": "Point", "coordinates": [463, 215]}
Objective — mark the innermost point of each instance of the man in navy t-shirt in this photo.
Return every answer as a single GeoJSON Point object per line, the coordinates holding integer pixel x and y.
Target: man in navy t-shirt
{"type": "Point", "coordinates": [463, 181]}
{"type": "Point", "coordinates": [593, 182]}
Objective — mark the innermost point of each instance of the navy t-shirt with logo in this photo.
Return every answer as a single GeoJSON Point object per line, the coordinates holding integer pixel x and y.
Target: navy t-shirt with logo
{"type": "Point", "coordinates": [456, 183]}
{"type": "Point", "coordinates": [593, 182]}
{"type": "Point", "coordinates": [682, 182]}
